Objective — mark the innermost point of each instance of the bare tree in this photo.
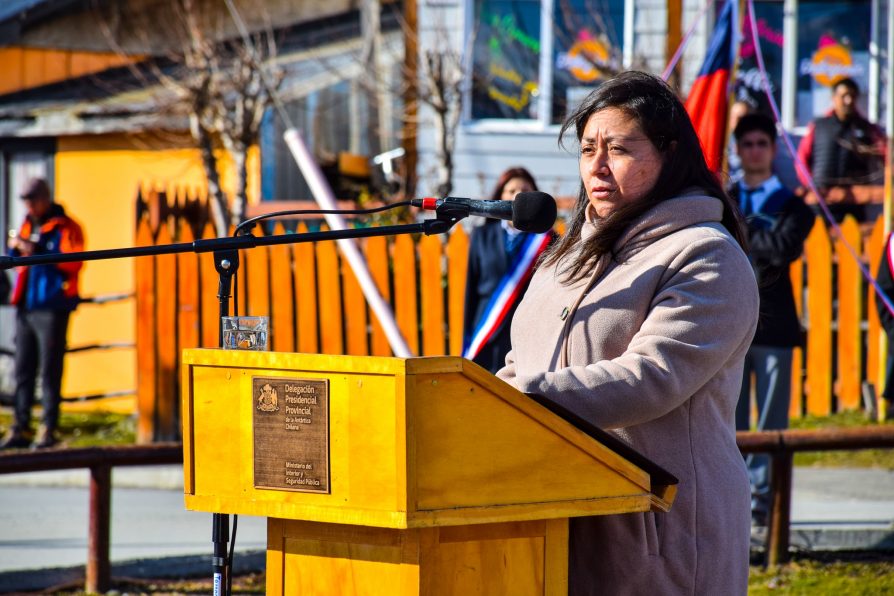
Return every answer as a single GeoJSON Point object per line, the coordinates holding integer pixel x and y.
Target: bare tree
{"type": "Point", "coordinates": [438, 80]}
{"type": "Point", "coordinates": [219, 85]}
{"type": "Point", "coordinates": [224, 87]}
{"type": "Point", "coordinates": [442, 76]}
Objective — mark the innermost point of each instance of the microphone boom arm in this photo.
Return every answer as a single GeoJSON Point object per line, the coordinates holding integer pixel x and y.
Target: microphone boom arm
{"type": "Point", "coordinates": [439, 225]}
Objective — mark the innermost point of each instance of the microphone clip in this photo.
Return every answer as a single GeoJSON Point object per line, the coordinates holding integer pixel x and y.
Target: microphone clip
{"type": "Point", "coordinates": [448, 212]}
{"type": "Point", "coordinates": [443, 220]}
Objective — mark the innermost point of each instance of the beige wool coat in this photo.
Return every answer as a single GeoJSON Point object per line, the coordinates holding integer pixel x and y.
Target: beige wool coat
{"type": "Point", "coordinates": [653, 352]}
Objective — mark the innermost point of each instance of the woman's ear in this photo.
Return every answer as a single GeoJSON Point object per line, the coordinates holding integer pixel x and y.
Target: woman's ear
{"type": "Point", "coordinates": [672, 146]}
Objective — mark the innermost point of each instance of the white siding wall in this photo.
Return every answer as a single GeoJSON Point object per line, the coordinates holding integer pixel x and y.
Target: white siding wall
{"type": "Point", "coordinates": [650, 34]}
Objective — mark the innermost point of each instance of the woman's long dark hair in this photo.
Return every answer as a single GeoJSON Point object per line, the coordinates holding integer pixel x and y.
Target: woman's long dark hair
{"type": "Point", "coordinates": [505, 177]}
{"type": "Point", "coordinates": [662, 117]}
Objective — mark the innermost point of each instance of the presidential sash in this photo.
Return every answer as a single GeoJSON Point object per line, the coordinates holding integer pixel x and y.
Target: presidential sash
{"type": "Point", "coordinates": [507, 293]}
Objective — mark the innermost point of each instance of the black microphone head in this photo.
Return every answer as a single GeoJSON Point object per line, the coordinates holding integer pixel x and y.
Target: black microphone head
{"type": "Point", "coordinates": [533, 212]}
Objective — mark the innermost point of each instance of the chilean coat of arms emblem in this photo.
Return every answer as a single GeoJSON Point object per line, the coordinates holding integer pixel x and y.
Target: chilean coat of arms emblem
{"type": "Point", "coordinates": [267, 400]}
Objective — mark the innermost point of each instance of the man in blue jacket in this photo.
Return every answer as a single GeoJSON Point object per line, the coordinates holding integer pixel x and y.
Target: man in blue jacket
{"type": "Point", "coordinates": [778, 224]}
{"type": "Point", "coordinates": [44, 297]}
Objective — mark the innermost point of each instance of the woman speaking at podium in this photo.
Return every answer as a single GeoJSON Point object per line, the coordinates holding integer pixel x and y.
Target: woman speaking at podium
{"type": "Point", "coordinates": [638, 321]}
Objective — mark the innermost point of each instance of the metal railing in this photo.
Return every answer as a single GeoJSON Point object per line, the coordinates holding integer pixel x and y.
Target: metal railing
{"type": "Point", "coordinates": [100, 461]}
{"type": "Point", "coordinates": [781, 445]}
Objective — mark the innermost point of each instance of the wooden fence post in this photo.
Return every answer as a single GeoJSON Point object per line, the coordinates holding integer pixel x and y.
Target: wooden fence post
{"type": "Point", "coordinates": [431, 292]}
{"type": "Point", "coordinates": [355, 313]}
{"type": "Point", "coordinates": [255, 269]}
{"type": "Point", "coordinates": [209, 305]}
{"type": "Point", "coordinates": [167, 394]}
{"type": "Point", "coordinates": [819, 331]}
{"type": "Point", "coordinates": [796, 405]}
{"type": "Point", "coordinates": [875, 370]}
{"type": "Point", "coordinates": [376, 250]}
{"type": "Point", "coordinates": [850, 316]}
{"type": "Point", "coordinates": [457, 267]}
{"type": "Point", "coordinates": [282, 299]}
{"type": "Point", "coordinates": [146, 340]}
{"type": "Point", "coordinates": [306, 295]}
{"type": "Point", "coordinates": [188, 307]}
{"type": "Point", "coordinates": [329, 287]}
{"type": "Point", "coordinates": [405, 302]}
{"type": "Point", "coordinates": [100, 512]}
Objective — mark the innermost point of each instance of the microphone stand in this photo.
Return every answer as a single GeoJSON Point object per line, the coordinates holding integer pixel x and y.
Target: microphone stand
{"type": "Point", "coordinates": [226, 263]}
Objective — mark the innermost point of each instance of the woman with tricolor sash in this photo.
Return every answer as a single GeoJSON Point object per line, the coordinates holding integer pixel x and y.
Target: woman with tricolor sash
{"type": "Point", "coordinates": [501, 261]}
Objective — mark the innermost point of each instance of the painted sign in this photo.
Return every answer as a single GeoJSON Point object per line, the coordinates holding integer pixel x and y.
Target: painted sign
{"type": "Point", "coordinates": [585, 59]}
{"type": "Point", "coordinates": [830, 63]}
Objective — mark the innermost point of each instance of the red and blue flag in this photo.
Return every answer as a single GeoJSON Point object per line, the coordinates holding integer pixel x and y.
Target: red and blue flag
{"type": "Point", "coordinates": [708, 101]}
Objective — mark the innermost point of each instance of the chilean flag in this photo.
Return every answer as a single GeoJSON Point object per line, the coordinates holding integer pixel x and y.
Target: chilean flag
{"type": "Point", "coordinates": [708, 101]}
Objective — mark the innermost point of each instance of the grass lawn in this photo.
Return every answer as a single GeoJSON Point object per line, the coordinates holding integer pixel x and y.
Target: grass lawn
{"type": "Point", "coordinates": [841, 574]}
{"type": "Point", "coordinates": [838, 574]}
{"type": "Point", "coordinates": [86, 429]}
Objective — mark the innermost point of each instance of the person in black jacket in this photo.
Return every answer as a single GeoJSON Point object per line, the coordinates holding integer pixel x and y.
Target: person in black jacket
{"type": "Point", "coordinates": [778, 223]}
{"type": "Point", "coordinates": [843, 149]}
{"type": "Point", "coordinates": [496, 251]}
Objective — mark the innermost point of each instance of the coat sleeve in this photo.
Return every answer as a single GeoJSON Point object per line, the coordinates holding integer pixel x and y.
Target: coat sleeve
{"type": "Point", "coordinates": [702, 315]}
{"type": "Point", "coordinates": [886, 285]}
{"type": "Point", "coordinates": [507, 373]}
{"type": "Point", "coordinates": [782, 242]}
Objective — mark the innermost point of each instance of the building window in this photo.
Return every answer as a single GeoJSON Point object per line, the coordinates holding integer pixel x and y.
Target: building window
{"type": "Point", "coordinates": [833, 43]}
{"type": "Point", "coordinates": [332, 121]}
{"type": "Point", "coordinates": [506, 60]}
{"type": "Point", "coordinates": [529, 68]}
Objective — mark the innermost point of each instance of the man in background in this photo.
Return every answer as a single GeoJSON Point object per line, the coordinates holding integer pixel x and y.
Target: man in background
{"type": "Point", "coordinates": [778, 223]}
{"type": "Point", "coordinates": [843, 149]}
{"type": "Point", "coordinates": [44, 297]}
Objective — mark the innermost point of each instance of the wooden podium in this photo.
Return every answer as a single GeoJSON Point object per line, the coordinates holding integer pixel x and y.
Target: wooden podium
{"type": "Point", "coordinates": [399, 476]}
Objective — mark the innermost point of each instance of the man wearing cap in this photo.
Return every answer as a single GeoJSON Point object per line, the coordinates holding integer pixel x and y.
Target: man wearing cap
{"type": "Point", "coordinates": [44, 296]}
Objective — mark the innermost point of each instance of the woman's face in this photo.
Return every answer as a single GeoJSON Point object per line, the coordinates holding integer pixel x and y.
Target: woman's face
{"type": "Point", "coordinates": [618, 163]}
{"type": "Point", "coordinates": [515, 186]}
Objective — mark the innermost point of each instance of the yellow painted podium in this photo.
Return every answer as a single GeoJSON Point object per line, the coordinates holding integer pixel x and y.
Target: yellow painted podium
{"type": "Point", "coordinates": [399, 476]}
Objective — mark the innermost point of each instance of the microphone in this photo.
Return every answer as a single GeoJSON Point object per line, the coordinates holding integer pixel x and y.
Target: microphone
{"type": "Point", "coordinates": [529, 212]}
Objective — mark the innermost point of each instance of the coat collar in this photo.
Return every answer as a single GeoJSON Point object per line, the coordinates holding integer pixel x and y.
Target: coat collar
{"type": "Point", "coordinates": [666, 217]}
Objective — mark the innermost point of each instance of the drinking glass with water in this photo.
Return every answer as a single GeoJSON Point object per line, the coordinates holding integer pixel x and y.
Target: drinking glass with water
{"type": "Point", "coordinates": [245, 333]}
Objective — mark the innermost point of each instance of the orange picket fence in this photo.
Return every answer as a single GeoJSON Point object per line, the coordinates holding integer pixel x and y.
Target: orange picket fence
{"type": "Point", "coordinates": [838, 310]}
{"type": "Point", "coordinates": [315, 305]}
